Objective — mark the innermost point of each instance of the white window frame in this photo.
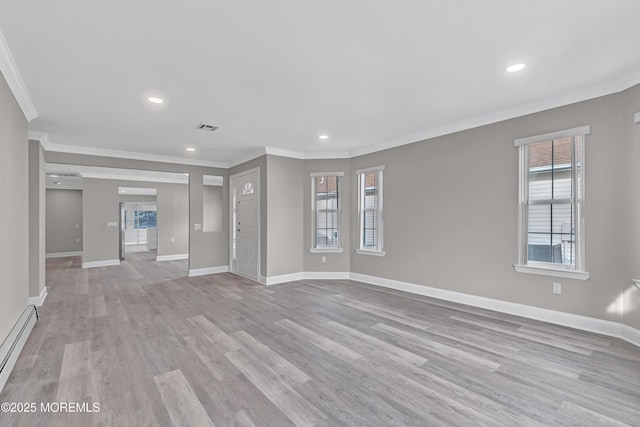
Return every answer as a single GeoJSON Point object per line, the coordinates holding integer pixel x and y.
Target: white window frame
{"type": "Point", "coordinates": [379, 250]}
{"type": "Point", "coordinates": [577, 271]}
{"type": "Point", "coordinates": [314, 248]}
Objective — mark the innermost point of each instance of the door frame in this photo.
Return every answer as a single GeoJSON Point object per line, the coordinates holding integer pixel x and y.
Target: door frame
{"type": "Point", "coordinates": [232, 181]}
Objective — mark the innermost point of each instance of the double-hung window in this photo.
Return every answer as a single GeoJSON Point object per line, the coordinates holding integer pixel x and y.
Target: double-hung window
{"type": "Point", "coordinates": [370, 211]}
{"type": "Point", "coordinates": [551, 204]}
{"type": "Point", "coordinates": [326, 206]}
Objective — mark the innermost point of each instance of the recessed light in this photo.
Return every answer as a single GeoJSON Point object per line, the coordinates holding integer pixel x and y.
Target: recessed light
{"type": "Point", "coordinates": [323, 137]}
{"type": "Point", "coordinates": [191, 149]}
{"type": "Point", "coordinates": [54, 176]}
{"type": "Point", "coordinates": [185, 174]}
{"type": "Point", "coordinates": [515, 67]}
{"type": "Point", "coordinates": [155, 100]}
{"type": "Point", "coordinates": [57, 183]}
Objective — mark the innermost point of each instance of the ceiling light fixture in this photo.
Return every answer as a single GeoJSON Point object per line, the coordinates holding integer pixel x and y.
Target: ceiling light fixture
{"type": "Point", "coordinates": [155, 100]}
{"type": "Point", "coordinates": [191, 149]}
{"type": "Point", "coordinates": [515, 67]}
{"type": "Point", "coordinates": [57, 183]}
{"type": "Point", "coordinates": [323, 137]}
{"type": "Point", "coordinates": [54, 176]}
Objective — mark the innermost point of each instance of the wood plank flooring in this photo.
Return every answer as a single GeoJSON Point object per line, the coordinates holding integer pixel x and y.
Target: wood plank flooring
{"type": "Point", "coordinates": [153, 347]}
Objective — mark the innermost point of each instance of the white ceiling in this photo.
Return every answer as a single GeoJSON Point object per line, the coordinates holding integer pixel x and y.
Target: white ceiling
{"type": "Point", "coordinates": [369, 73]}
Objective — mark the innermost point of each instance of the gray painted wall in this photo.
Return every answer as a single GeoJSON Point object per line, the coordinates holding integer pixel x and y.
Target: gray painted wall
{"type": "Point", "coordinates": [629, 193]}
{"type": "Point", "coordinates": [37, 218]}
{"type": "Point", "coordinates": [335, 261]}
{"type": "Point", "coordinates": [285, 234]}
{"type": "Point", "coordinates": [14, 220]}
{"type": "Point", "coordinates": [213, 208]}
{"type": "Point", "coordinates": [100, 204]}
{"type": "Point", "coordinates": [460, 233]}
{"type": "Point", "coordinates": [64, 221]}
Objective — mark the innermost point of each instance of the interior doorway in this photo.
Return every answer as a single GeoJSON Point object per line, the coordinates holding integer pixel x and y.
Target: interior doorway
{"type": "Point", "coordinates": [138, 220]}
{"type": "Point", "coordinates": [245, 220]}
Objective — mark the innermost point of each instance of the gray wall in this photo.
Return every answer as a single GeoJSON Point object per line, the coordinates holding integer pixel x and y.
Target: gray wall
{"type": "Point", "coordinates": [630, 194]}
{"type": "Point", "coordinates": [260, 162]}
{"type": "Point", "coordinates": [205, 249]}
{"type": "Point", "coordinates": [335, 261]}
{"type": "Point", "coordinates": [450, 212]}
{"type": "Point", "coordinates": [213, 208]}
{"type": "Point", "coordinates": [64, 221]}
{"type": "Point", "coordinates": [37, 218]}
{"type": "Point", "coordinates": [100, 204]}
{"type": "Point", "coordinates": [285, 213]}
{"type": "Point", "coordinates": [14, 226]}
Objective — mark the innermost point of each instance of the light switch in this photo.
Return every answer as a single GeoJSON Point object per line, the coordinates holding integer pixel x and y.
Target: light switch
{"type": "Point", "coordinates": [197, 226]}
{"type": "Point", "coordinates": [112, 224]}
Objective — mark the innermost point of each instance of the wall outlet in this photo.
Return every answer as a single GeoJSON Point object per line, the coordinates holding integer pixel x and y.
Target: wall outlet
{"type": "Point", "coordinates": [77, 240]}
{"type": "Point", "coordinates": [77, 225]}
{"type": "Point", "coordinates": [197, 226]}
{"type": "Point", "coordinates": [557, 288]}
{"type": "Point", "coordinates": [173, 239]}
{"type": "Point", "coordinates": [324, 259]}
{"type": "Point", "coordinates": [112, 224]}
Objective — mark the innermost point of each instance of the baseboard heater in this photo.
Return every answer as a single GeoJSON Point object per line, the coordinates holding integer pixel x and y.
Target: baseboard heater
{"type": "Point", "coordinates": [13, 344]}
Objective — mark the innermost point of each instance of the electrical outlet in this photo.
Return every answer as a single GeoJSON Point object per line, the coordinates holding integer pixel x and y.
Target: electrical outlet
{"type": "Point", "coordinates": [77, 240]}
{"type": "Point", "coordinates": [557, 288]}
{"type": "Point", "coordinates": [324, 259]}
{"type": "Point", "coordinates": [197, 226]}
{"type": "Point", "coordinates": [77, 225]}
{"type": "Point", "coordinates": [173, 239]}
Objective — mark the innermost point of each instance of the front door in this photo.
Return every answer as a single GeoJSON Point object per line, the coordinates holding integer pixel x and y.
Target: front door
{"type": "Point", "coordinates": [245, 243]}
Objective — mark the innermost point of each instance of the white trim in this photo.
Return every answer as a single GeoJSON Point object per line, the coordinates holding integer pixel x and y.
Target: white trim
{"type": "Point", "coordinates": [605, 327]}
{"type": "Point", "coordinates": [105, 263]}
{"type": "Point", "coordinates": [550, 136]}
{"type": "Point", "coordinates": [370, 253]}
{"type": "Point", "coordinates": [9, 70]}
{"type": "Point", "coordinates": [173, 257]}
{"type": "Point", "coordinates": [326, 275]}
{"type": "Point", "coordinates": [554, 272]}
{"type": "Point", "coordinates": [63, 254]}
{"type": "Point", "coordinates": [317, 174]}
{"type": "Point", "coordinates": [283, 278]}
{"type": "Point", "coordinates": [15, 342]}
{"type": "Point", "coordinates": [326, 250]}
{"type": "Point", "coordinates": [371, 169]}
{"type": "Point", "coordinates": [39, 300]}
{"type": "Point", "coordinates": [306, 275]}
{"type": "Point", "coordinates": [104, 152]}
{"type": "Point", "coordinates": [636, 118]}
{"type": "Point", "coordinates": [209, 270]}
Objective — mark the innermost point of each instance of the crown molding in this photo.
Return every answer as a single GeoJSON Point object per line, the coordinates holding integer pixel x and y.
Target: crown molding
{"type": "Point", "coordinates": [14, 80]}
{"type": "Point", "coordinates": [584, 94]}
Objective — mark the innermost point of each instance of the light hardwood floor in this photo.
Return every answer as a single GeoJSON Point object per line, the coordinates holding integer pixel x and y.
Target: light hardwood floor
{"type": "Point", "coordinates": [153, 347]}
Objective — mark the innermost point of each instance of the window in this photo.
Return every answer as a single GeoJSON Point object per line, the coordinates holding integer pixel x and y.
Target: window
{"type": "Point", "coordinates": [370, 211]}
{"type": "Point", "coordinates": [325, 212]}
{"type": "Point", "coordinates": [551, 223]}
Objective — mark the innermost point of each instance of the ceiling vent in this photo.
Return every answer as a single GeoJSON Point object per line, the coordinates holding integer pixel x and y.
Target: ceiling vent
{"type": "Point", "coordinates": [208, 128]}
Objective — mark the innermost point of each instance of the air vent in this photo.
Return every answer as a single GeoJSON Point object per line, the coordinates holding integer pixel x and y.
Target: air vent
{"type": "Point", "coordinates": [208, 128]}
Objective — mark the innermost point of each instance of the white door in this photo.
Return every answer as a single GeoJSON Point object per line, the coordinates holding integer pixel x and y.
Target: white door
{"type": "Point", "coordinates": [245, 239]}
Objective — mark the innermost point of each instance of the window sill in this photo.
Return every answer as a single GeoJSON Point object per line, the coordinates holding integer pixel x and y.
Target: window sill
{"type": "Point", "coordinates": [555, 272]}
{"type": "Point", "coordinates": [370, 253]}
{"type": "Point", "coordinates": [326, 250]}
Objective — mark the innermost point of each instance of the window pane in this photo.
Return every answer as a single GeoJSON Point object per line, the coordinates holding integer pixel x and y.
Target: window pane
{"type": "Point", "coordinates": [550, 170]}
{"type": "Point", "coordinates": [327, 232]}
{"type": "Point", "coordinates": [551, 235]}
{"type": "Point", "coordinates": [370, 227]}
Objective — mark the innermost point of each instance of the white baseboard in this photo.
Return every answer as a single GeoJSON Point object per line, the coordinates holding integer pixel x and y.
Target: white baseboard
{"type": "Point", "coordinates": [172, 257]}
{"type": "Point", "coordinates": [62, 254]}
{"type": "Point", "coordinates": [106, 263]}
{"type": "Point", "coordinates": [305, 275]}
{"type": "Point", "coordinates": [209, 270]}
{"type": "Point", "coordinates": [590, 324]}
{"type": "Point", "coordinates": [39, 300]}
{"type": "Point", "coordinates": [14, 343]}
